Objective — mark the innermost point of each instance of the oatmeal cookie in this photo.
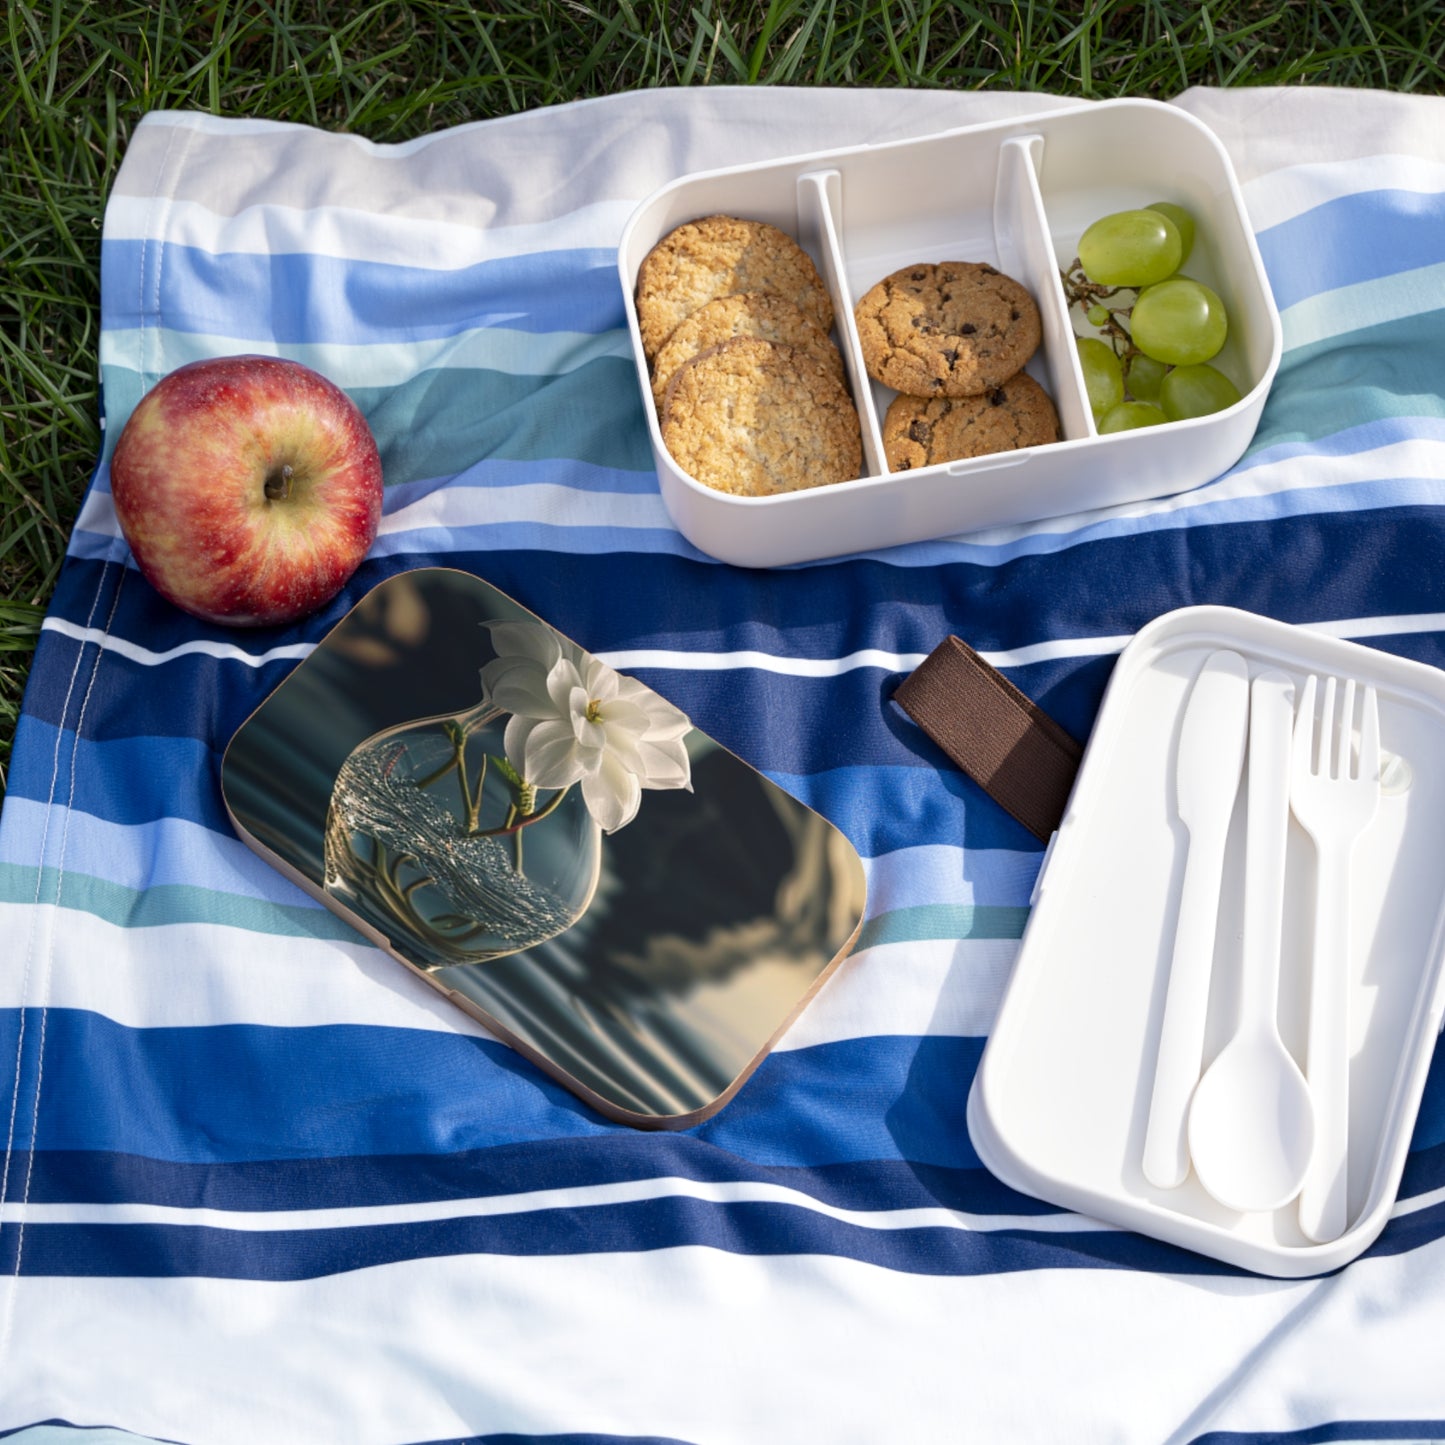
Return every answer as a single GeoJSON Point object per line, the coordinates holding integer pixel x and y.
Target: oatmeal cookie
{"type": "Point", "coordinates": [748, 313]}
{"type": "Point", "coordinates": [752, 417]}
{"type": "Point", "coordinates": [956, 328]}
{"type": "Point", "coordinates": [717, 256]}
{"type": "Point", "coordinates": [918, 432]}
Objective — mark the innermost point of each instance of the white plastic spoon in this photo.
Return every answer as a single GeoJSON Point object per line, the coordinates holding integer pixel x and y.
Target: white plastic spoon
{"type": "Point", "coordinates": [1251, 1122]}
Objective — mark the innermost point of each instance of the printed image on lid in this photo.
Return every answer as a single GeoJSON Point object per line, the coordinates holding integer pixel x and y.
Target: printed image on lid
{"type": "Point", "coordinates": [549, 843]}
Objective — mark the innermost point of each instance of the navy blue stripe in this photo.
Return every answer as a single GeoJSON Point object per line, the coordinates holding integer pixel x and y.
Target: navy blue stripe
{"type": "Point", "coordinates": [54, 1422]}
{"type": "Point", "coordinates": [299, 297]}
{"type": "Point", "coordinates": [754, 1229]}
{"type": "Point", "coordinates": [1353, 238]}
{"type": "Point", "coordinates": [72, 1177]}
{"type": "Point", "coordinates": [1430, 1126]}
{"type": "Point", "coordinates": [1358, 570]}
{"type": "Point", "coordinates": [838, 722]}
{"type": "Point", "coordinates": [205, 698]}
{"type": "Point", "coordinates": [881, 810]}
{"type": "Point", "coordinates": [85, 597]}
{"type": "Point", "coordinates": [1410, 1231]}
{"type": "Point", "coordinates": [509, 1438]}
{"type": "Point", "coordinates": [208, 698]}
{"type": "Point", "coordinates": [1339, 565]}
{"type": "Point", "coordinates": [193, 698]}
{"type": "Point", "coordinates": [568, 1439]}
{"type": "Point", "coordinates": [1415, 1431]}
{"type": "Point", "coordinates": [1424, 1170]}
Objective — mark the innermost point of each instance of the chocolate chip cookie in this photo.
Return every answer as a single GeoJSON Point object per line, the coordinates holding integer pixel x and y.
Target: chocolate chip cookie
{"type": "Point", "coordinates": [955, 328]}
{"type": "Point", "coordinates": [918, 432]}
{"type": "Point", "coordinates": [752, 417]}
{"type": "Point", "coordinates": [749, 313]}
{"type": "Point", "coordinates": [717, 256]}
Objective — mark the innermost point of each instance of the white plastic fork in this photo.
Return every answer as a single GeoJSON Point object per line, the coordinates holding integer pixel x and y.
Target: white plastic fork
{"type": "Point", "coordinates": [1334, 795]}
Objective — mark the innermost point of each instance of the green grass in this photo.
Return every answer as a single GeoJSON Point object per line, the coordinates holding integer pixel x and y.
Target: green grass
{"type": "Point", "coordinates": [76, 77]}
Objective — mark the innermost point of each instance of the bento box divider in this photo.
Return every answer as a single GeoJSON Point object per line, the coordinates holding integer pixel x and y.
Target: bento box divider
{"type": "Point", "coordinates": [1021, 234]}
{"type": "Point", "coordinates": [820, 224]}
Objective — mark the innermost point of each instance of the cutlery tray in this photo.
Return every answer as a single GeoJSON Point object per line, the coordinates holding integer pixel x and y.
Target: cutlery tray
{"type": "Point", "coordinates": [1060, 1105]}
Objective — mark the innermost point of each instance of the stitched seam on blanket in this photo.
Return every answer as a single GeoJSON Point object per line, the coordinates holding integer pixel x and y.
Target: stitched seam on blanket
{"type": "Point", "coordinates": [164, 190]}
{"type": "Point", "coordinates": [35, 925]}
{"type": "Point", "coordinates": [48, 970]}
{"type": "Point", "coordinates": [165, 195]}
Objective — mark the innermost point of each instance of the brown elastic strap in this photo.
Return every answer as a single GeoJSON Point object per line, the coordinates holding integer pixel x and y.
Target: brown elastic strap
{"type": "Point", "coordinates": [1008, 745]}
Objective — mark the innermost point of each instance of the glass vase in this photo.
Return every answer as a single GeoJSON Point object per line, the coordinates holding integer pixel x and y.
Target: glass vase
{"type": "Point", "coordinates": [433, 839]}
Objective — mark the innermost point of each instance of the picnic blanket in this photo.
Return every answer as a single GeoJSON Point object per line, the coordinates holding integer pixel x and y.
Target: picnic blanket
{"type": "Point", "coordinates": [259, 1184]}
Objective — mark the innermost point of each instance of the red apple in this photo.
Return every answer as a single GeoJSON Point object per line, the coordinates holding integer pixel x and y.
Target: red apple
{"type": "Point", "coordinates": [249, 489]}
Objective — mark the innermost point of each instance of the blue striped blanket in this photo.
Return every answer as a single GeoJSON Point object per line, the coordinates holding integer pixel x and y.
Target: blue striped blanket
{"type": "Point", "coordinates": [258, 1184]}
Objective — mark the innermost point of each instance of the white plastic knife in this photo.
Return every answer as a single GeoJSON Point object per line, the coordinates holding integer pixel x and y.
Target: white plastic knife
{"type": "Point", "coordinates": [1210, 760]}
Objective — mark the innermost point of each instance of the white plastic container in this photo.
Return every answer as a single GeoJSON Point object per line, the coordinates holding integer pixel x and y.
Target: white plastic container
{"type": "Point", "coordinates": [1016, 195]}
{"type": "Point", "coordinates": [1060, 1104]}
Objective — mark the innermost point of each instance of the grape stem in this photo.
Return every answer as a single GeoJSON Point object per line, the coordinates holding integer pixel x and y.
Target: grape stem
{"type": "Point", "coordinates": [1085, 294]}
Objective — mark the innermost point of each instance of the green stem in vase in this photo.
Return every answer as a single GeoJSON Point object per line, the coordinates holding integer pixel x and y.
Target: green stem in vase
{"type": "Point", "coordinates": [441, 772]}
{"type": "Point", "coordinates": [516, 820]}
{"type": "Point", "coordinates": [474, 802]}
{"type": "Point", "coordinates": [385, 872]}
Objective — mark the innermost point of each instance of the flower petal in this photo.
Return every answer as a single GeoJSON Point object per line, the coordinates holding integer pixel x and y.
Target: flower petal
{"type": "Point", "coordinates": [665, 764]}
{"type": "Point", "coordinates": [665, 721]}
{"type": "Point", "coordinates": [518, 686]}
{"type": "Point", "coordinates": [562, 681]}
{"type": "Point", "coordinates": [620, 715]}
{"type": "Point", "coordinates": [624, 745]}
{"type": "Point", "coordinates": [533, 641]}
{"type": "Point", "coordinates": [577, 719]}
{"type": "Point", "coordinates": [612, 795]}
{"type": "Point", "coordinates": [514, 742]}
{"type": "Point", "coordinates": [601, 681]}
{"type": "Point", "coordinates": [553, 758]}
{"type": "Point", "coordinates": [589, 732]}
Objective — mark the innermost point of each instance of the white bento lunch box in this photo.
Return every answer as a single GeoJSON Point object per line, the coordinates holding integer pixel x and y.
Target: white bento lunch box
{"type": "Point", "coordinates": [1060, 1105]}
{"type": "Point", "coordinates": [1016, 195]}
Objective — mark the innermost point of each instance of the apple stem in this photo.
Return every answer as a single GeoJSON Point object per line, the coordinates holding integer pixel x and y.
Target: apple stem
{"type": "Point", "coordinates": [278, 484]}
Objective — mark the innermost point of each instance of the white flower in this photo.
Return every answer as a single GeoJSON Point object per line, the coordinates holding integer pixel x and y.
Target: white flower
{"type": "Point", "coordinates": [575, 720]}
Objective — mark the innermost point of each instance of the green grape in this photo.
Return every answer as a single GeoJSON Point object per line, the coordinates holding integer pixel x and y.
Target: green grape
{"type": "Point", "coordinates": [1196, 391]}
{"type": "Point", "coordinates": [1130, 248]}
{"type": "Point", "coordinates": [1183, 223]}
{"type": "Point", "coordinates": [1103, 376]}
{"type": "Point", "coordinates": [1144, 376]}
{"type": "Point", "coordinates": [1179, 322]}
{"type": "Point", "coordinates": [1098, 315]}
{"type": "Point", "coordinates": [1129, 415]}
